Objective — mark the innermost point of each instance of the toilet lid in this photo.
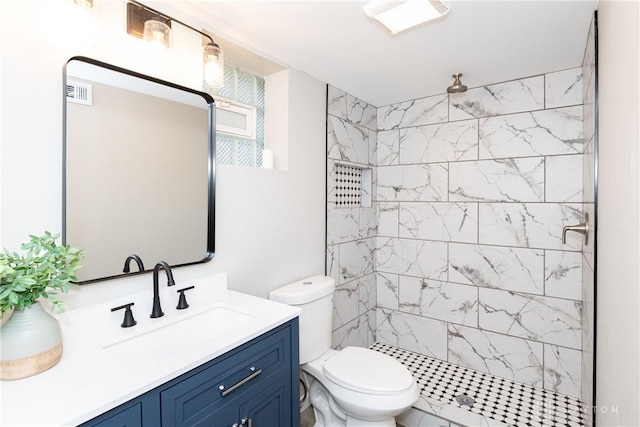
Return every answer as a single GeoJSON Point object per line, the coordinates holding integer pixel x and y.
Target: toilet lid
{"type": "Point", "coordinates": [367, 371]}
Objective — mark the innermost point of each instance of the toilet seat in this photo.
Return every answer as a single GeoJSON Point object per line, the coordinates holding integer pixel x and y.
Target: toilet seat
{"type": "Point", "coordinates": [368, 371]}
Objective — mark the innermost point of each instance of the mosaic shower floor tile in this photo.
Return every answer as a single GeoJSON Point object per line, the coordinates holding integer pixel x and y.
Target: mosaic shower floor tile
{"type": "Point", "coordinates": [492, 397]}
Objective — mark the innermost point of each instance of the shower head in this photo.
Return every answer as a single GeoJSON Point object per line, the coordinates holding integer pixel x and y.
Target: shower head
{"type": "Point", "coordinates": [457, 86]}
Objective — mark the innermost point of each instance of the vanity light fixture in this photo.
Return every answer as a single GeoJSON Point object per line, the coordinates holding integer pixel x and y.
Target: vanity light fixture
{"type": "Point", "coordinates": [399, 15]}
{"type": "Point", "coordinates": [155, 27]}
{"type": "Point", "coordinates": [84, 3]}
{"type": "Point", "coordinates": [157, 32]}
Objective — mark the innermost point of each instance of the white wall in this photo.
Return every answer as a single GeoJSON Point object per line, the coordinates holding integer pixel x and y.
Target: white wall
{"type": "Point", "coordinates": [270, 223]}
{"type": "Point", "coordinates": [618, 305]}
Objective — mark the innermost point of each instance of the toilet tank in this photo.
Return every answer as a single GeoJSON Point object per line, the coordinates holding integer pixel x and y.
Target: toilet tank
{"type": "Point", "coordinates": [314, 296]}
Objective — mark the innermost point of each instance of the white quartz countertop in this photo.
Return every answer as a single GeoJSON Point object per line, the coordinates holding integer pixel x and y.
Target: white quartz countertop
{"type": "Point", "coordinates": [104, 365]}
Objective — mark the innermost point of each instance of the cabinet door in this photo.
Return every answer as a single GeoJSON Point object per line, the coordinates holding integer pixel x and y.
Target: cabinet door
{"type": "Point", "coordinates": [267, 406]}
{"type": "Point", "coordinates": [130, 416]}
{"type": "Point", "coordinates": [139, 412]}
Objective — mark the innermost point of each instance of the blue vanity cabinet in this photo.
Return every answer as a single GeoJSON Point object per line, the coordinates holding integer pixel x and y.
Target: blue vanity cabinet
{"type": "Point", "coordinates": [256, 383]}
{"type": "Point", "coordinates": [139, 412]}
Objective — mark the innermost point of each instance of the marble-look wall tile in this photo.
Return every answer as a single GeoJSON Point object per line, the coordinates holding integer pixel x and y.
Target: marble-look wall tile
{"type": "Point", "coordinates": [388, 219]}
{"type": "Point", "coordinates": [440, 142]}
{"type": "Point", "coordinates": [589, 109]}
{"type": "Point", "coordinates": [333, 262]}
{"type": "Point", "coordinates": [512, 269]}
{"type": "Point", "coordinates": [589, 59]}
{"type": "Point", "coordinates": [588, 329]}
{"type": "Point", "coordinates": [587, 250]}
{"type": "Point", "coordinates": [588, 173]}
{"type": "Point", "coordinates": [412, 182]}
{"type": "Point", "coordinates": [417, 112]}
{"type": "Point", "coordinates": [449, 302]}
{"type": "Point", "coordinates": [563, 88]}
{"type": "Point", "coordinates": [361, 113]}
{"type": "Point", "coordinates": [388, 150]}
{"type": "Point", "coordinates": [562, 370]}
{"type": "Point", "coordinates": [347, 142]}
{"type": "Point", "coordinates": [413, 333]}
{"type": "Point", "coordinates": [409, 257]}
{"type": "Point", "coordinates": [345, 303]}
{"type": "Point", "coordinates": [366, 293]}
{"type": "Point", "coordinates": [529, 225]}
{"type": "Point", "coordinates": [549, 320]}
{"type": "Point", "coordinates": [535, 133]}
{"type": "Point", "coordinates": [331, 181]}
{"type": "Point", "coordinates": [454, 222]}
{"type": "Point", "coordinates": [387, 290]}
{"type": "Point", "coordinates": [368, 222]}
{"type": "Point", "coordinates": [563, 178]}
{"type": "Point", "coordinates": [337, 102]}
{"type": "Point", "coordinates": [355, 333]}
{"type": "Point", "coordinates": [373, 147]}
{"type": "Point", "coordinates": [343, 224]}
{"type": "Point", "coordinates": [356, 259]}
{"type": "Point", "coordinates": [588, 279]}
{"type": "Point", "coordinates": [502, 98]}
{"type": "Point", "coordinates": [563, 274]}
{"type": "Point", "coordinates": [503, 180]}
{"type": "Point", "coordinates": [372, 324]}
{"type": "Point", "coordinates": [508, 357]}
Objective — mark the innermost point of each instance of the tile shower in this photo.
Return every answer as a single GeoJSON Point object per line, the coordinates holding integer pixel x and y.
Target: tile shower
{"type": "Point", "coordinates": [459, 257]}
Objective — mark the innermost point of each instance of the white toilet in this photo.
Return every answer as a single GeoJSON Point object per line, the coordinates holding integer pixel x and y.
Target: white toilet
{"type": "Point", "coordinates": [352, 387]}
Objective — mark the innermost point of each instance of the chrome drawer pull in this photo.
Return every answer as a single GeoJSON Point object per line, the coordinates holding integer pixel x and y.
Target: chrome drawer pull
{"type": "Point", "coordinates": [253, 374]}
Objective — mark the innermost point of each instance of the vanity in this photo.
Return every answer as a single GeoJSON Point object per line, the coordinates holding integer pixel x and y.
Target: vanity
{"type": "Point", "coordinates": [230, 359]}
{"type": "Point", "coordinates": [139, 184]}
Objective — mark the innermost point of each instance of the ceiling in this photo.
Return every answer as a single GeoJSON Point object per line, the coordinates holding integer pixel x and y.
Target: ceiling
{"type": "Point", "coordinates": [334, 41]}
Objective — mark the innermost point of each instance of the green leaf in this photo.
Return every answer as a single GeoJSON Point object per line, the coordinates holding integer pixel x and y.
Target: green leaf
{"type": "Point", "coordinates": [42, 269]}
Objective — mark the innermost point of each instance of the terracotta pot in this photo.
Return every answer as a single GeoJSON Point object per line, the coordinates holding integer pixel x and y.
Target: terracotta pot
{"type": "Point", "coordinates": [30, 342]}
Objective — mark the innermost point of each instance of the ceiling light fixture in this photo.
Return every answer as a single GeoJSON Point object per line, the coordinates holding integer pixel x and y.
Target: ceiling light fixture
{"type": "Point", "coordinates": [155, 27]}
{"type": "Point", "coordinates": [399, 15]}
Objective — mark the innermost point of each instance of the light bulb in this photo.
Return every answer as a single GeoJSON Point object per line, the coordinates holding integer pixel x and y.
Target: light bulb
{"type": "Point", "coordinates": [213, 65]}
{"type": "Point", "coordinates": [157, 33]}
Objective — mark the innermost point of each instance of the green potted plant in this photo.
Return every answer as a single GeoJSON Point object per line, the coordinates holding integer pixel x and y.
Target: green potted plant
{"type": "Point", "coordinates": [30, 339]}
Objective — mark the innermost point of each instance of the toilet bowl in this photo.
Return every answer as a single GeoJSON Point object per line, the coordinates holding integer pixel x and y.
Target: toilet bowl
{"type": "Point", "coordinates": [365, 386]}
{"type": "Point", "coordinates": [350, 387]}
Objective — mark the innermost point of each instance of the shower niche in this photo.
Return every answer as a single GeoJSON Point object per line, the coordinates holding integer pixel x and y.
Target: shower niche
{"type": "Point", "coordinates": [353, 186]}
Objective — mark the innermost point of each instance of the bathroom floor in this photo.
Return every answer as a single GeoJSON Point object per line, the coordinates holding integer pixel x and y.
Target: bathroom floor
{"type": "Point", "coordinates": [493, 397]}
{"type": "Point", "coordinates": [307, 419]}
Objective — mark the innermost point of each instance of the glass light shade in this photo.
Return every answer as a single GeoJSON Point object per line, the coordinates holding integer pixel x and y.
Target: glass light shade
{"type": "Point", "coordinates": [157, 33]}
{"type": "Point", "coordinates": [213, 65]}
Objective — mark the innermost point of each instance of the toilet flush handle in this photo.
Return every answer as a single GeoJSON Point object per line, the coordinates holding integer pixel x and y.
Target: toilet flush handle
{"type": "Point", "coordinates": [580, 228]}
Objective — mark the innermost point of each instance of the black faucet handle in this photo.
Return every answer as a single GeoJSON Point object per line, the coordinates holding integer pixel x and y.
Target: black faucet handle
{"type": "Point", "coordinates": [182, 300]}
{"type": "Point", "coordinates": [128, 320]}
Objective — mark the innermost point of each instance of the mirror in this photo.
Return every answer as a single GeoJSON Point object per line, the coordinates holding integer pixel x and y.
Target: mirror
{"type": "Point", "coordinates": [139, 170]}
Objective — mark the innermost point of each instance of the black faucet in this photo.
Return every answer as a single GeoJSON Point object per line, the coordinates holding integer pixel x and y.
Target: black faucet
{"type": "Point", "coordinates": [157, 310]}
{"type": "Point", "coordinates": [127, 263]}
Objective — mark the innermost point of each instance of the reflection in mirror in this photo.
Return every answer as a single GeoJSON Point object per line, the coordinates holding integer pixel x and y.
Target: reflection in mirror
{"type": "Point", "coordinates": [139, 170]}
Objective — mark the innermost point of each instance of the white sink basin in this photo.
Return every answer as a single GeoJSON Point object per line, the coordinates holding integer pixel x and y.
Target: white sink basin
{"type": "Point", "coordinates": [210, 315]}
{"type": "Point", "coordinates": [201, 325]}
